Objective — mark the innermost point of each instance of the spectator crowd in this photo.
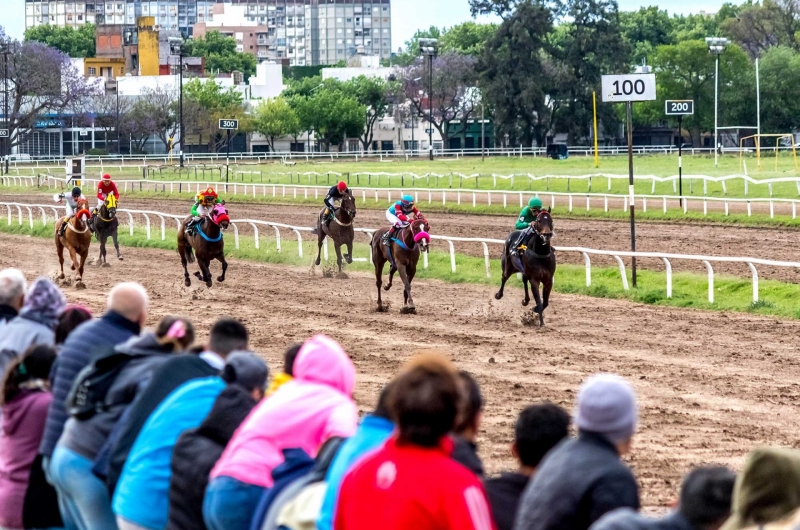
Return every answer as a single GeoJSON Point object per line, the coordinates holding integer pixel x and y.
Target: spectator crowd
{"type": "Point", "coordinates": [107, 425]}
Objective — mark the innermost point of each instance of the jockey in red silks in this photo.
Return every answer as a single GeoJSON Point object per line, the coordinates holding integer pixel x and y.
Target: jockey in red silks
{"type": "Point", "coordinates": [105, 188]}
{"type": "Point", "coordinates": [398, 215]}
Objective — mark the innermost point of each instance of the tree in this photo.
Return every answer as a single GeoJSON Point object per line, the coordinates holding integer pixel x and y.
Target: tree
{"type": "Point", "coordinates": [411, 50]}
{"type": "Point", "coordinates": [41, 80]}
{"type": "Point", "coordinates": [468, 37]}
{"type": "Point", "coordinates": [78, 42]}
{"type": "Point", "coordinates": [160, 104]}
{"type": "Point", "coordinates": [276, 118]}
{"type": "Point", "coordinates": [328, 110]}
{"type": "Point", "coordinates": [758, 27]}
{"type": "Point", "coordinates": [108, 112]}
{"type": "Point", "coordinates": [587, 47]}
{"type": "Point", "coordinates": [501, 8]}
{"type": "Point", "coordinates": [454, 95]}
{"type": "Point", "coordinates": [780, 90]}
{"type": "Point", "coordinates": [138, 125]}
{"type": "Point", "coordinates": [220, 54]}
{"type": "Point", "coordinates": [375, 95]}
{"type": "Point", "coordinates": [517, 76]}
{"type": "Point", "coordinates": [209, 103]}
{"type": "Point", "coordinates": [646, 29]}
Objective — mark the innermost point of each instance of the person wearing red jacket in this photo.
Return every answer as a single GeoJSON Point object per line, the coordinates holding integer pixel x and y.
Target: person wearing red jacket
{"type": "Point", "coordinates": [104, 189]}
{"type": "Point", "coordinates": [412, 482]}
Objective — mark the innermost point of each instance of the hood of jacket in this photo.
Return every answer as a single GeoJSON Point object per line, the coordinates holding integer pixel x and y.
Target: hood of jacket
{"type": "Point", "coordinates": [322, 360]}
{"type": "Point", "coordinates": [16, 412]}
{"type": "Point", "coordinates": [229, 411]}
{"type": "Point", "coordinates": [146, 344]}
{"type": "Point", "coordinates": [767, 489]}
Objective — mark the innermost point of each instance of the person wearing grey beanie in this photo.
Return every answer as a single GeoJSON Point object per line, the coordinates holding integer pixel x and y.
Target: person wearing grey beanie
{"type": "Point", "coordinates": [584, 478]}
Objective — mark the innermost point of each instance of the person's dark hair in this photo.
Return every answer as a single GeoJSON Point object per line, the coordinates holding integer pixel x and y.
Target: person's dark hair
{"type": "Point", "coordinates": [382, 408]}
{"type": "Point", "coordinates": [424, 400]}
{"type": "Point", "coordinates": [179, 336]}
{"type": "Point", "coordinates": [539, 428]}
{"type": "Point", "coordinates": [706, 495]}
{"type": "Point", "coordinates": [228, 335]}
{"type": "Point", "coordinates": [288, 358]}
{"type": "Point", "coordinates": [35, 364]}
{"type": "Point", "coordinates": [471, 402]}
{"type": "Point", "coordinates": [70, 318]}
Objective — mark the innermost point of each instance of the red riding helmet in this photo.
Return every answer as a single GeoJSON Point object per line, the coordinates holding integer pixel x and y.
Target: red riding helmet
{"type": "Point", "coordinates": [341, 186]}
{"type": "Point", "coordinates": [106, 177]}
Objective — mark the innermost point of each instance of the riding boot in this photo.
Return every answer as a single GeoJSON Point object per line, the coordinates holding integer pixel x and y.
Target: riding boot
{"type": "Point", "coordinates": [387, 237]}
{"type": "Point", "coordinates": [63, 229]}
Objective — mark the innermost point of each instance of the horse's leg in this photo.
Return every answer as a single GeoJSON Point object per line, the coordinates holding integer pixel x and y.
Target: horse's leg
{"type": "Point", "coordinates": [204, 267]}
{"type": "Point", "coordinates": [60, 251]}
{"type": "Point", "coordinates": [379, 263]}
{"type": "Point", "coordinates": [527, 299]}
{"type": "Point", "coordinates": [83, 256]}
{"type": "Point", "coordinates": [547, 286]}
{"type": "Point", "coordinates": [338, 250]}
{"type": "Point", "coordinates": [74, 256]}
{"type": "Point", "coordinates": [349, 255]}
{"type": "Point", "coordinates": [221, 259]}
{"type": "Point", "coordinates": [539, 308]}
{"type": "Point", "coordinates": [408, 302]}
{"type": "Point", "coordinates": [103, 238]}
{"type": "Point", "coordinates": [320, 239]}
{"type": "Point", "coordinates": [114, 237]}
{"type": "Point", "coordinates": [392, 271]}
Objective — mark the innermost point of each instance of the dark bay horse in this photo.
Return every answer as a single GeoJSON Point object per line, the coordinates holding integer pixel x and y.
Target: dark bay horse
{"type": "Point", "coordinates": [106, 224]}
{"type": "Point", "coordinates": [340, 230]}
{"type": "Point", "coordinates": [206, 242]}
{"type": "Point", "coordinates": [76, 240]}
{"type": "Point", "coordinates": [537, 264]}
{"type": "Point", "coordinates": [405, 248]}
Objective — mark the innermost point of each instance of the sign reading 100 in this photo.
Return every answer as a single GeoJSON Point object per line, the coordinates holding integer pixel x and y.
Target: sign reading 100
{"type": "Point", "coordinates": [633, 87]}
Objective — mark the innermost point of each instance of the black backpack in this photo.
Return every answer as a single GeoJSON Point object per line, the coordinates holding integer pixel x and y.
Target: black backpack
{"type": "Point", "coordinates": [88, 394]}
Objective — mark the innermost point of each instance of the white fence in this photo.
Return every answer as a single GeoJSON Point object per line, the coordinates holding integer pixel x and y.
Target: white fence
{"type": "Point", "coordinates": [667, 258]}
{"type": "Point", "coordinates": [513, 199]}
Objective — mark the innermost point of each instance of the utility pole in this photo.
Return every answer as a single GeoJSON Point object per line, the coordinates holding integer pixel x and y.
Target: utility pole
{"type": "Point", "coordinates": [716, 45]}
{"type": "Point", "coordinates": [6, 117]}
{"type": "Point", "coordinates": [430, 48]}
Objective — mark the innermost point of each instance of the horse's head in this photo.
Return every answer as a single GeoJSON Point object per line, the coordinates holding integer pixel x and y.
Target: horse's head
{"type": "Point", "coordinates": [82, 204]}
{"type": "Point", "coordinates": [349, 205]}
{"type": "Point", "coordinates": [543, 226]}
{"type": "Point", "coordinates": [111, 205]}
{"type": "Point", "coordinates": [419, 229]}
{"type": "Point", "coordinates": [219, 215]}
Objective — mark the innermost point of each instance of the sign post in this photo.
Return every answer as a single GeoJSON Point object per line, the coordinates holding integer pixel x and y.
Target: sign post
{"type": "Point", "coordinates": [629, 88]}
{"type": "Point", "coordinates": [680, 108]}
{"type": "Point", "coordinates": [228, 125]}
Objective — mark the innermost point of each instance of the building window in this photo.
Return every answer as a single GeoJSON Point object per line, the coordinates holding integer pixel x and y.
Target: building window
{"type": "Point", "coordinates": [92, 71]}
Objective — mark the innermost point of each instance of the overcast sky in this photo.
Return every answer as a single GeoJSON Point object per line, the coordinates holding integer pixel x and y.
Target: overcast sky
{"type": "Point", "coordinates": [407, 15]}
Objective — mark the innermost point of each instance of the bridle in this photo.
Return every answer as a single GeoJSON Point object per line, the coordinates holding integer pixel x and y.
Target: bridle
{"type": "Point", "coordinates": [351, 213]}
{"type": "Point", "coordinates": [545, 237]}
{"type": "Point", "coordinates": [421, 226]}
{"type": "Point", "coordinates": [83, 211]}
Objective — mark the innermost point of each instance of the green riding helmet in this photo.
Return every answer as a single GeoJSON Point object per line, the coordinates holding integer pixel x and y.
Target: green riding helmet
{"type": "Point", "coordinates": [535, 202]}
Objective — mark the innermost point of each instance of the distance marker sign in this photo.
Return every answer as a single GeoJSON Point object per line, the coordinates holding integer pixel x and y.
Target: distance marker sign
{"type": "Point", "coordinates": [229, 125]}
{"type": "Point", "coordinates": [679, 107]}
{"type": "Point", "coordinates": [630, 87]}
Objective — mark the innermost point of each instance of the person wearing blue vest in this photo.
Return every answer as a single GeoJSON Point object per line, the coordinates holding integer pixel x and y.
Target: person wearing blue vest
{"type": "Point", "coordinates": [398, 215]}
{"type": "Point", "coordinates": [373, 432]}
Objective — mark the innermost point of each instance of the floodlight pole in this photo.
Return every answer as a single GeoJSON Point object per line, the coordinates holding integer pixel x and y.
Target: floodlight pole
{"type": "Point", "coordinates": [7, 150]}
{"type": "Point", "coordinates": [716, 45]}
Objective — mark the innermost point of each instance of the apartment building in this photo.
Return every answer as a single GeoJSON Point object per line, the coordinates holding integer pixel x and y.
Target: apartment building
{"type": "Point", "coordinates": [179, 15]}
{"type": "Point", "coordinates": [308, 32]}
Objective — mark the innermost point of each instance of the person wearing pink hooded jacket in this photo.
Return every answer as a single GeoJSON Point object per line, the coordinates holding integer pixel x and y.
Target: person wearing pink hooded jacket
{"type": "Point", "coordinates": [305, 412]}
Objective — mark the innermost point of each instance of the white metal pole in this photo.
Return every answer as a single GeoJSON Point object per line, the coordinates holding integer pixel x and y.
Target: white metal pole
{"type": "Point", "coordinates": [716, 95]}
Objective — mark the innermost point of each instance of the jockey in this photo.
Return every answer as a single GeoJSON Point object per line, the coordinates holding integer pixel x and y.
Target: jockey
{"type": "Point", "coordinates": [203, 205]}
{"type": "Point", "coordinates": [71, 205]}
{"type": "Point", "coordinates": [336, 193]}
{"type": "Point", "coordinates": [104, 188]}
{"type": "Point", "coordinates": [525, 222]}
{"type": "Point", "coordinates": [398, 215]}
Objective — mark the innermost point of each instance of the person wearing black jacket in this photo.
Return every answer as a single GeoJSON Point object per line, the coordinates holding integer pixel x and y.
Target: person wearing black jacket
{"type": "Point", "coordinates": [539, 428]}
{"type": "Point", "coordinates": [199, 449]}
{"type": "Point", "coordinates": [465, 435]}
{"type": "Point", "coordinates": [227, 335]}
{"type": "Point", "coordinates": [584, 478]}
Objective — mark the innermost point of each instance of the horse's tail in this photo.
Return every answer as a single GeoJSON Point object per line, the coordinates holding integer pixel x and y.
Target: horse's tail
{"type": "Point", "coordinates": [189, 253]}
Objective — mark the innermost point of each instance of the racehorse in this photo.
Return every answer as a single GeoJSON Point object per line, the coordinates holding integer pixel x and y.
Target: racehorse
{"type": "Point", "coordinates": [206, 242]}
{"type": "Point", "coordinates": [537, 264]}
{"type": "Point", "coordinates": [76, 240]}
{"type": "Point", "coordinates": [340, 230]}
{"type": "Point", "coordinates": [405, 249]}
{"type": "Point", "coordinates": [106, 224]}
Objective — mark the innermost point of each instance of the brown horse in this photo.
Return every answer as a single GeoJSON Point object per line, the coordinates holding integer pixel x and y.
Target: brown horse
{"type": "Point", "coordinates": [76, 240]}
{"type": "Point", "coordinates": [205, 241]}
{"type": "Point", "coordinates": [405, 249]}
{"type": "Point", "coordinates": [537, 264]}
{"type": "Point", "coordinates": [340, 230]}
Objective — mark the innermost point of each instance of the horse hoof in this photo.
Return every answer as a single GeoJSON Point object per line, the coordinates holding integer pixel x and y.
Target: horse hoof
{"type": "Point", "coordinates": [209, 284]}
{"type": "Point", "coordinates": [80, 285]}
{"type": "Point", "coordinates": [387, 287]}
{"type": "Point", "coordinates": [105, 264]}
{"type": "Point", "coordinates": [72, 267]}
{"type": "Point", "coordinates": [220, 278]}
{"type": "Point", "coordinates": [120, 258]}
{"type": "Point", "coordinates": [410, 310]}
{"type": "Point", "coordinates": [187, 282]}
{"type": "Point", "coordinates": [498, 296]}
{"type": "Point", "coordinates": [382, 308]}
{"type": "Point", "coordinates": [525, 303]}
{"type": "Point", "coordinates": [317, 263]}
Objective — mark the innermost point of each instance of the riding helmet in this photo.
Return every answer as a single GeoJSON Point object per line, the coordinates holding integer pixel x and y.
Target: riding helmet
{"type": "Point", "coordinates": [535, 202]}
{"type": "Point", "coordinates": [341, 186]}
{"type": "Point", "coordinates": [76, 191]}
{"type": "Point", "coordinates": [407, 199]}
{"type": "Point", "coordinates": [106, 177]}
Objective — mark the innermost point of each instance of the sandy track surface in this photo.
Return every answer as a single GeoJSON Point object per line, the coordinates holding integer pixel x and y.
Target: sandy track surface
{"type": "Point", "coordinates": [682, 238]}
{"type": "Point", "coordinates": [712, 385]}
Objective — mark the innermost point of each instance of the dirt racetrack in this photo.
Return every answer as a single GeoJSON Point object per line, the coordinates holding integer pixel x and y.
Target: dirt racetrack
{"type": "Point", "coordinates": [711, 385]}
{"type": "Point", "coordinates": [681, 238]}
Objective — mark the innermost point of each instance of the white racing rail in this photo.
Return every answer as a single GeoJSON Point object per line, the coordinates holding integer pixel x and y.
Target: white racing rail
{"type": "Point", "coordinates": [515, 199]}
{"type": "Point", "coordinates": [667, 258]}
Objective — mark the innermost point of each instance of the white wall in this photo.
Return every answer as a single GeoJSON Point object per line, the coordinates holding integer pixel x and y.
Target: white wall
{"type": "Point", "coordinates": [346, 74]}
{"type": "Point", "coordinates": [268, 81]}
